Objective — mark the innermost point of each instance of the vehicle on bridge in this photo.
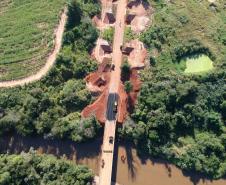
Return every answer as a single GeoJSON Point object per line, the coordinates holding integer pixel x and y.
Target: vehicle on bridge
{"type": "Point", "coordinates": [115, 106]}
{"type": "Point", "coordinates": [111, 140]}
{"type": "Point", "coordinates": [102, 163]}
{"type": "Point", "coordinates": [112, 67]}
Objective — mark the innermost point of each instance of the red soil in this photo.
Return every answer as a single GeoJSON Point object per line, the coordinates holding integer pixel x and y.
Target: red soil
{"type": "Point", "coordinates": [136, 82]}
{"type": "Point", "coordinates": [98, 108]}
{"type": "Point", "coordinates": [122, 104]}
{"type": "Point", "coordinates": [126, 102]}
{"type": "Point", "coordinates": [97, 81]}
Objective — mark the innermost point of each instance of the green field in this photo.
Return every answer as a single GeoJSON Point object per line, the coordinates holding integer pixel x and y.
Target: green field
{"type": "Point", "coordinates": [198, 63]}
{"type": "Point", "coordinates": [26, 35]}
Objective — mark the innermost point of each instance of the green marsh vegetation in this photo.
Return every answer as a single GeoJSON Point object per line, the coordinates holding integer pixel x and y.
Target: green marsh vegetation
{"type": "Point", "coordinates": [197, 64]}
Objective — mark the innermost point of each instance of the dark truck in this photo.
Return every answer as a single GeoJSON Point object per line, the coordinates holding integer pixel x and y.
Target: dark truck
{"type": "Point", "coordinates": [111, 140]}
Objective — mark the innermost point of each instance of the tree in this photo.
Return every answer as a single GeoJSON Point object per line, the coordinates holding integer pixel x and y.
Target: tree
{"type": "Point", "coordinates": [83, 65]}
{"type": "Point", "coordinates": [33, 169]}
{"type": "Point", "coordinates": [223, 109]}
{"type": "Point", "coordinates": [128, 86]}
{"type": "Point", "coordinates": [108, 35]}
{"type": "Point", "coordinates": [213, 122]}
{"type": "Point", "coordinates": [125, 71]}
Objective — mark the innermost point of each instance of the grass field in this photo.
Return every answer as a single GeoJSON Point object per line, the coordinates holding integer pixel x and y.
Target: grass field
{"type": "Point", "coordinates": [26, 35]}
{"type": "Point", "coordinates": [198, 63]}
{"type": "Point", "coordinates": [190, 20]}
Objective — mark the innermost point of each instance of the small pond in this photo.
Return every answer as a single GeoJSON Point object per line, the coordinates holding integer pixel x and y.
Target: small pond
{"type": "Point", "coordinates": [197, 63]}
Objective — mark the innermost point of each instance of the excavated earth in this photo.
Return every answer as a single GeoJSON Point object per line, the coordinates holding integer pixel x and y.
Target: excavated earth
{"type": "Point", "coordinates": [98, 82]}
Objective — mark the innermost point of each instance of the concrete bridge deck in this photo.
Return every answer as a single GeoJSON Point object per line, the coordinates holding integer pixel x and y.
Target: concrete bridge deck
{"type": "Point", "coordinates": [110, 124]}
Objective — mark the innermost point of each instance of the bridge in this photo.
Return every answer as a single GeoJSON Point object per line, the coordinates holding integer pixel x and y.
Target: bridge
{"type": "Point", "coordinates": [107, 155]}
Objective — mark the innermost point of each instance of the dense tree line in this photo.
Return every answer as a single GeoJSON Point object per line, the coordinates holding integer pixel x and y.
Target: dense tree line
{"type": "Point", "coordinates": [182, 120]}
{"type": "Point", "coordinates": [154, 37]}
{"type": "Point", "coordinates": [33, 169]}
{"type": "Point", "coordinates": [52, 106]}
{"type": "Point", "coordinates": [191, 47]}
{"type": "Point", "coordinates": [179, 117]}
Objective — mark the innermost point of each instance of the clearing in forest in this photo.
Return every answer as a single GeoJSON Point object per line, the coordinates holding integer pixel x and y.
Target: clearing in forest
{"type": "Point", "coordinates": [198, 63]}
{"type": "Point", "coordinates": [26, 35]}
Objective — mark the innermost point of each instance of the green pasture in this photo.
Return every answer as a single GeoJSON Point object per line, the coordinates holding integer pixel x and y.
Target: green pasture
{"type": "Point", "coordinates": [26, 35]}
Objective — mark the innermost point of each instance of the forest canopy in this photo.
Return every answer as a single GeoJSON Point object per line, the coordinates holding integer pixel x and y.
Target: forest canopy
{"type": "Point", "coordinates": [181, 117]}
{"type": "Point", "coordinates": [33, 169]}
{"type": "Point", "coordinates": [51, 107]}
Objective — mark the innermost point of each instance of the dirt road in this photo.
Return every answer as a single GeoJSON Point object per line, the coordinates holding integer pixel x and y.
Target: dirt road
{"type": "Point", "coordinates": [110, 124]}
{"type": "Point", "coordinates": [50, 60]}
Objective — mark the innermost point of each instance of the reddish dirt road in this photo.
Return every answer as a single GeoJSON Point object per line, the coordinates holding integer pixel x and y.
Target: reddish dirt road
{"type": "Point", "coordinates": [110, 125]}
{"type": "Point", "coordinates": [50, 60]}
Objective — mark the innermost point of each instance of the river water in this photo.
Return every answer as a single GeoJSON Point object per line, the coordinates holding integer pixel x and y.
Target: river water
{"type": "Point", "coordinates": [133, 171]}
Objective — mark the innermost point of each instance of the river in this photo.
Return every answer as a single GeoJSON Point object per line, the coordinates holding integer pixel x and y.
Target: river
{"type": "Point", "coordinates": [133, 171]}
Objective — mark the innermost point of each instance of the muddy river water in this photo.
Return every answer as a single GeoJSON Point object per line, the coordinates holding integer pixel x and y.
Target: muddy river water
{"type": "Point", "coordinates": [133, 171]}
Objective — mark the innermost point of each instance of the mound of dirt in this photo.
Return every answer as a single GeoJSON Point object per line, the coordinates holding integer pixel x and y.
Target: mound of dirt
{"type": "Point", "coordinates": [138, 55]}
{"type": "Point", "coordinates": [97, 81]}
{"type": "Point", "coordinates": [138, 7]}
{"type": "Point", "coordinates": [98, 108]}
{"type": "Point", "coordinates": [102, 51]}
{"type": "Point", "coordinates": [139, 23]}
{"type": "Point", "coordinates": [97, 22]}
{"type": "Point", "coordinates": [122, 104]}
{"type": "Point", "coordinates": [126, 101]}
{"type": "Point", "coordinates": [142, 11]}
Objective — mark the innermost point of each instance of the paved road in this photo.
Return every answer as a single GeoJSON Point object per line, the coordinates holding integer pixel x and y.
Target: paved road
{"type": "Point", "coordinates": [111, 111]}
{"type": "Point", "coordinates": [110, 124]}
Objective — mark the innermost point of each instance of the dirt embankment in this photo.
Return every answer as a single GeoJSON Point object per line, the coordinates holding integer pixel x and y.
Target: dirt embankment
{"type": "Point", "coordinates": [98, 82]}
{"type": "Point", "coordinates": [139, 15]}
{"type": "Point", "coordinates": [50, 60]}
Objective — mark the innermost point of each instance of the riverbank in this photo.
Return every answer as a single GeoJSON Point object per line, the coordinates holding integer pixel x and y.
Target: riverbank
{"type": "Point", "coordinates": [134, 171]}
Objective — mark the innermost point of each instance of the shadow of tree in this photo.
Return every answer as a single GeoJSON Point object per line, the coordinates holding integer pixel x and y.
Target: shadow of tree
{"type": "Point", "coordinates": [71, 150]}
{"type": "Point", "coordinates": [15, 144]}
{"type": "Point", "coordinates": [130, 162]}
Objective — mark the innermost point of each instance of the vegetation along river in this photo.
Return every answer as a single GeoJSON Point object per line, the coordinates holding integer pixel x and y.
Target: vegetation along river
{"type": "Point", "coordinates": [133, 170]}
